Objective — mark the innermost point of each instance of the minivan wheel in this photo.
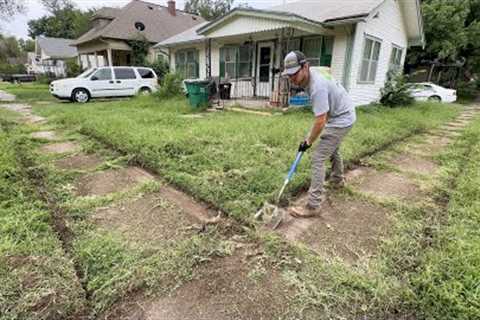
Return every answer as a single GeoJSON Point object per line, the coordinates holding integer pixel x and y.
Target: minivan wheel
{"type": "Point", "coordinates": [80, 95]}
{"type": "Point", "coordinates": [435, 99]}
{"type": "Point", "coordinates": [145, 91]}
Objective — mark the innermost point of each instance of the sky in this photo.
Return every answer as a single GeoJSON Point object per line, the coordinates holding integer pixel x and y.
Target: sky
{"type": "Point", "coordinates": [17, 26]}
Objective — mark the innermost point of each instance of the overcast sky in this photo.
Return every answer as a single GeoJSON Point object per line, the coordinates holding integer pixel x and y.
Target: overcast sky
{"type": "Point", "coordinates": [18, 25]}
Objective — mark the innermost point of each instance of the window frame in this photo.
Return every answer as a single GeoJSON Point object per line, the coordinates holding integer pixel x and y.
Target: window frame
{"type": "Point", "coordinates": [236, 62]}
{"type": "Point", "coordinates": [370, 59]}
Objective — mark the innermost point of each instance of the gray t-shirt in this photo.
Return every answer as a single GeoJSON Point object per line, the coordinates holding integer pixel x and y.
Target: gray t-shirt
{"type": "Point", "coordinates": [330, 97]}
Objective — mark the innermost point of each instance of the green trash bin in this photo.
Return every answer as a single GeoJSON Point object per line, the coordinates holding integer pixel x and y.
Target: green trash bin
{"type": "Point", "coordinates": [198, 92]}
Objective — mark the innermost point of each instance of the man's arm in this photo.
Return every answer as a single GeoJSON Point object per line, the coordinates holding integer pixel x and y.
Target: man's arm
{"type": "Point", "coordinates": [317, 128]}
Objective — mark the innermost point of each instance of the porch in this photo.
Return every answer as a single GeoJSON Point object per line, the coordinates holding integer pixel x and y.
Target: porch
{"type": "Point", "coordinates": [104, 53]}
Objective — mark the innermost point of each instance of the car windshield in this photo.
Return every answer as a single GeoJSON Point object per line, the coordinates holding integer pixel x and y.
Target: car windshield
{"type": "Point", "coordinates": [87, 73]}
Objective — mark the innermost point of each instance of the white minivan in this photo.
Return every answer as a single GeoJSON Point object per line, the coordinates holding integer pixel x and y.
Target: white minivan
{"type": "Point", "coordinates": [106, 82]}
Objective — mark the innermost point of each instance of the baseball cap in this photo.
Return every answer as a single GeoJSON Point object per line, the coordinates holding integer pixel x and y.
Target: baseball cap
{"type": "Point", "coordinates": [294, 60]}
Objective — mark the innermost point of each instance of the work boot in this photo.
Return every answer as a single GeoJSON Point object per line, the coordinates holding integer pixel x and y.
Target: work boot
{"type": "Point", "coordinates": [307, 210]}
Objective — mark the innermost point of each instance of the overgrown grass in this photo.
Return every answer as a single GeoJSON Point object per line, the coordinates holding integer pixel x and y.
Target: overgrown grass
{"type": "Point", "coordinates": [28, 92]}
{"type": "Point", "coordinates": [447, 282]}
{"type": "Point", "coordinates": [233, 160]}
{"type": "Point", "coordinates": [37, 279]}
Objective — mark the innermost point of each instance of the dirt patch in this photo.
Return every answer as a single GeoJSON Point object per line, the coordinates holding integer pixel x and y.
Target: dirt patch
{"type": "Point", "coordinates": [23, 108]}
{"type": "Point", "coordinates": [190, 205]}
{"type": "Point", "coordinates": [33, 119]}
{"type": "Point", "coordinates": [105, 182]}
{"type": "Point", "coordinates": [386, 184]}
{"type": "Point", "coordinates": [222, 290]}
{"type": "Point", "coordinates": [61, 147]}
{"type": "Point", "coordinates": [45, 135]}
{"type": "Point", "coordinates": [411, 163]}
{"type": "Point", "coordinates": [347, 228]}
{"type": "Point", "coordinates": [149, 219]}
{"type": "Point", "coordinates": [79, 161]}
{"type": "Point", "coordinates": [4, 96]}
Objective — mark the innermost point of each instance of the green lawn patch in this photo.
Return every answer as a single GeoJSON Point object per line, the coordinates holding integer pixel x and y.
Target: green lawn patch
{"type": "Point", "coordinates": [233, 160]}
{"type": "Point", "coordinates": [28, 92]}
{"type": "Point", "coordinates": [37, 279]}
{"type": "Point", "coordinates": [447, 282]}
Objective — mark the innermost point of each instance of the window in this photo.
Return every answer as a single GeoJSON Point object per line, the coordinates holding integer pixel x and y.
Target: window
{"type": "Point", "coordinates": [396, 59]}
{"type": "Point", "coordinates": [236, 61]}
{"type": "Point", "coordinates": [124, 73]}
{"type": "Point", "coordinates": [186, 63]}
{"type": "Point", "coordinates": [146, 73]}
{"type": "Point", "coordinates": [371, 55]}
{"type": "Point", "coordinates": [318, 51]}
{"type": "Point", "coordinates": [292, 45]}
{"type": "Point", "coordinates": [102, 74]}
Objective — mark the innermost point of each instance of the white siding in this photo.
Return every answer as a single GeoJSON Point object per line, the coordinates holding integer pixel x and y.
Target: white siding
{"type": "Point", "coordinates": [338, 54]}
{"type": "Point", "coordinates": [390, 28]}
{"type": "Point", "coordinates": [246, 25]}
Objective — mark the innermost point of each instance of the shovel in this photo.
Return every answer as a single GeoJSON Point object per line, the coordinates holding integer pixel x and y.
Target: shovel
{"type": "Point", "coordinates": [271, 211]}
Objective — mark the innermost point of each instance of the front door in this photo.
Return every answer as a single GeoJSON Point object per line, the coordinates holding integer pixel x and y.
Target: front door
{"type": "Point", "coordinates": [264, 69]}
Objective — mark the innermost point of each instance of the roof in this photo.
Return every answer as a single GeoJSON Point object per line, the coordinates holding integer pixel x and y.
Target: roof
{"type": "Point", "coordinates": [189, 36]}
{"type": "Point", "coordinates": [159, 23]}
{"type": "Point", "coordinates": [57, 47]}
{"type": "Point", "coordinates": [107, 12]}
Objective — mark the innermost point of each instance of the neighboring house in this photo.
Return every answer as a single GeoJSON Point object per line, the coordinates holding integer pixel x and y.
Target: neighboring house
{"type": "Point", "coordinates": [359, 41]}
{"type": "Point", "coordinates": [50, 56]}
{"type": "Point", "coordinates": [107, 42]}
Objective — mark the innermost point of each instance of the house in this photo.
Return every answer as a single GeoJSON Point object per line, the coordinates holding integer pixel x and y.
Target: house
{"type": "Point", "coordinates": [107, 42]}
{"type": "Point", "coordinates": [50, 56]}
{"type": "Point", "coordinates": [358, 41]}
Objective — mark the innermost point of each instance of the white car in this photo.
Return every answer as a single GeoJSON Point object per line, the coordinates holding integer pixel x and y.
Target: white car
{"type": "Point", "coordinates": [427, 91]}
{"type": "Point", "coordinates": [106, 82]}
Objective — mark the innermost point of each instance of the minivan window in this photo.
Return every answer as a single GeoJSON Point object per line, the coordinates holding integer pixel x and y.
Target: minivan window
{"type": "Point", "coordinates": [102, 74]}
{"type": "Point", "coordinates": [146, 73]}
{"type": "Point", "coordinates": [124, 73]}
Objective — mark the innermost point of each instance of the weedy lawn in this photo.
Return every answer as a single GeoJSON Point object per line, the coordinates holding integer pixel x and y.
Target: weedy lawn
{"type": "Point", "coordinates": [232, 160]}
{"type": "Point", "coordinates": [28, 92]}
{"type": "Point", "coordinates": [37, 279]}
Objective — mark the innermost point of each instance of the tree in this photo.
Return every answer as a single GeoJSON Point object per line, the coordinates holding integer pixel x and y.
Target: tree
{"type": "Point", "coordinates": [9, 8]}
{"type": "Point", "coordinates": [26, 45]}
{"type": "Point", "coordinates": [452, 32]}
{"type": "Point", "coordinates": [208, 9]}
{"type": "Point", "coordinates": [9, 48]}
{"type": "Point", "coordinates": [64, 20]}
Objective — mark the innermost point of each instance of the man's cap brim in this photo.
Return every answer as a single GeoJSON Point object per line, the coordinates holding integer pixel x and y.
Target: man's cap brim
{"type": "Point", "coordinates": [290, 71]}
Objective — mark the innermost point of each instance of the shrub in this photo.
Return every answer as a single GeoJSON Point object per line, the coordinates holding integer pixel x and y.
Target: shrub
{"type": "Point", "coordinates": [467, 89]}
{"type": "Point", "coordinates": [171, 86]}
{"type": "Point", "coordinates": [396, 91]}
{"type": "Point", "coordinates": [12, 68]}
{"type": "Point", "coordinates": [160, 67]}
{"type": "Point", "coordinates": [72, 68]}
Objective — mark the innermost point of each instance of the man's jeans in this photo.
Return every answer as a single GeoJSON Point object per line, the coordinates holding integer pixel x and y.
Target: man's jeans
{"type": "Point", "coordinates": [327, 148]}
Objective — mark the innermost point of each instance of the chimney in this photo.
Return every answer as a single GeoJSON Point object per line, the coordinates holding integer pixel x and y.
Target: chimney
{"type": "Point", "coordinates": [171, 7]}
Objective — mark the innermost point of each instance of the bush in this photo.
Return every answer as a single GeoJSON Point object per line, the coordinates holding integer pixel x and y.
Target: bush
{"type": "Point", "coordinates": [467, 89]}
{"type": "Point", "coordinates": [12, 69]}
{"type": "Point", "coordinates": [396, 91]}
{"type": "Point", "coordinates": [160, 67]}
{"type": "Point", "coordinates": [171, 86]}
{"type": "Point", "coordinates": [72, 68]}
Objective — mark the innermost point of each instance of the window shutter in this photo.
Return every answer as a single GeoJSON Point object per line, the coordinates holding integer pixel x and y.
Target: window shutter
{"type": "Point", "coordinates": [327, 50]}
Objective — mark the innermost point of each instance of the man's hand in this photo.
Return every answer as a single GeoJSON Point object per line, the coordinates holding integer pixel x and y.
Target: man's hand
{"type": "Point", "coordinates": [304, 146]}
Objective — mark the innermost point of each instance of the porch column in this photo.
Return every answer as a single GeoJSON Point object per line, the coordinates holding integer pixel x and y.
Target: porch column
{"type": "Point", "coordinates": [109, 54]}
{"type": "Point", "coordinates": [96, 59]}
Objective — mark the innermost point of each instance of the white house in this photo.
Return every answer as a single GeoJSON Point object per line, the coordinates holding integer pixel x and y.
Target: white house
{"type": "Point", "coordinates": [50, 56]}
{"type": "Point", "coordinates": [358, 40]}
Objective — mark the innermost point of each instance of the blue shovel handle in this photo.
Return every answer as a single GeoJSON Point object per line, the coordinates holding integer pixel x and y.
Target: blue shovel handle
{"type": "Point", "coordinates": [293, 168]}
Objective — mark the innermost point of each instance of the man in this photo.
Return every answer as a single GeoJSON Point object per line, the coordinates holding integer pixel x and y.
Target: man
{"type": "Point", "coordinates": [334, 117]}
